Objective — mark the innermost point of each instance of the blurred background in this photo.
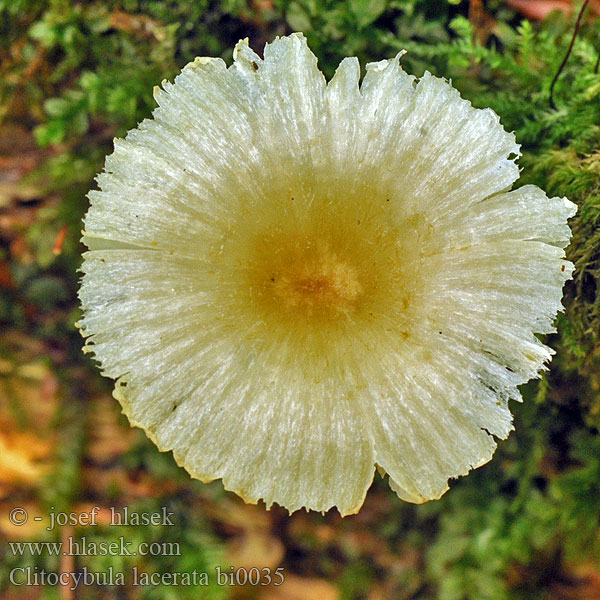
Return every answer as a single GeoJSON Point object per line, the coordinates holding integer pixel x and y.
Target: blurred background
{"type": "Point", "coordinates": [73, 75]}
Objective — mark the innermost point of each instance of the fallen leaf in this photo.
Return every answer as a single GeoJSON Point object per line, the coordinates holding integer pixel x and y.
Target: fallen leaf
{"type": "Point", "coordinates": [23, 457]}
{"type": "Point", "coordinates": [301, 588]}
{"type": "Point", "coordinates": [540, 9]}
{"type": "Point", "coordinates": [29, 530]}
{"type": "Point", "coordinates": [140, 25]}
{"type": "Point", "coordinates": [255, 548]}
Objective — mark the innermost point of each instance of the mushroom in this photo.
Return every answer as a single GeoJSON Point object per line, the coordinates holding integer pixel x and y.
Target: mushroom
{"type": "Point", "coordinates": [294, 281]}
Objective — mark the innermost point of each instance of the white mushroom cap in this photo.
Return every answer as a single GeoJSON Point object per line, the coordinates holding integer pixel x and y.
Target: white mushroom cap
{"type": "Point", "coordinates": [293, 281]}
